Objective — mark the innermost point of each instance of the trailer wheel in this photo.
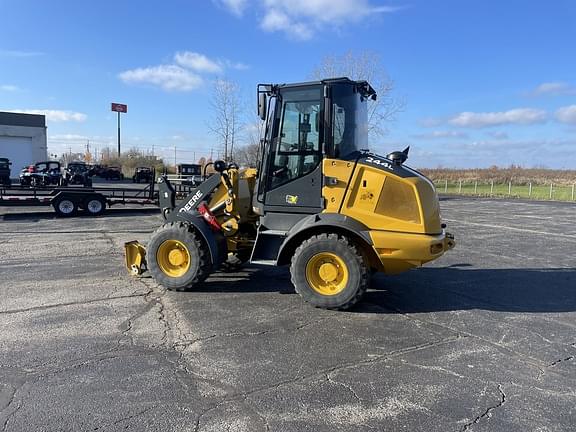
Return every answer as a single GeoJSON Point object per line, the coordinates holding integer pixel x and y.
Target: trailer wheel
{"type": "Point", "coordinates": [177, 258]}
{"type": "Point", "coordinates": [94, 205]}
{"type": "Point", "coordinates": [329, 272]}
{"type": "Point", "coordinates": [65, 207]}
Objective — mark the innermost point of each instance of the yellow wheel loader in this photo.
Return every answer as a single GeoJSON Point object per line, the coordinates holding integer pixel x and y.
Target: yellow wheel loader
{"type": "Point", "coordinates": [318, 202]}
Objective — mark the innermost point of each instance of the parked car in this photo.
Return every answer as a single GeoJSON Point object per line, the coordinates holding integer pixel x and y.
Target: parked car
{"type": "Point", "coordinates": [5, 171]}
{"type": "Point", "coordinates": [76, 173]}
{"type": "Point", "coordinates": [113, 173]}
{"type": "Point", "coordinates": [142, 174]}
{"type": "Point", "coordinates": [96, 170]}
{"type": "Point", "coordinates": [45, 173]}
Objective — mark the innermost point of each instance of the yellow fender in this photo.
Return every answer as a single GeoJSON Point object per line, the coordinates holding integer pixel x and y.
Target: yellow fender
{"type": "Point", "coordinates": [135, 255]}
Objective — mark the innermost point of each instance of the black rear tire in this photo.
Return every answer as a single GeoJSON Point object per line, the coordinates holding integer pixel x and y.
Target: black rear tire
{"type": "Point", "coordinates": [347, 264]}
{"type": "Point", "coordinates": [177, 277]}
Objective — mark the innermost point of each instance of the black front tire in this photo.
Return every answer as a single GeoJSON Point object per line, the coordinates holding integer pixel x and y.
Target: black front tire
{"type": "Point", "coordinates": [357, 271]}
{"type": "Point", "coordinates": [200, 264]}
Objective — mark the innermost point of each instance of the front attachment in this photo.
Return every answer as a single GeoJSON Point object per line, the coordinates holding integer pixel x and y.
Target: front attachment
{"type": "Point", "coordinates": [135, 255]}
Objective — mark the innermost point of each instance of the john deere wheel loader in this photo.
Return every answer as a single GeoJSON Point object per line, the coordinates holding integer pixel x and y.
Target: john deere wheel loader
{"type": "Point", "coordinates": [318, 202]}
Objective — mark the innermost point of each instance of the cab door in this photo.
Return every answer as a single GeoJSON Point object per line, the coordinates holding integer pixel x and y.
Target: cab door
{"type": "Point", "coordinates": [293, 181]}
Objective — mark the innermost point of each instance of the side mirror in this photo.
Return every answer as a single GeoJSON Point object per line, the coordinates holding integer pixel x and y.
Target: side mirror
{"type": "Point", "coordinates": [262, 105]}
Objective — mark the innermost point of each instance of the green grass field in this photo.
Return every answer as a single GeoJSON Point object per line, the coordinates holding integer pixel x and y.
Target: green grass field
{"type": "Point", "coordinates": [537, 192]}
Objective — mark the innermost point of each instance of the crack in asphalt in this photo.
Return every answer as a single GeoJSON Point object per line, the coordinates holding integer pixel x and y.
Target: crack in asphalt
{"type": "Point", "coordinates": [130, 417]}
{"type": "Point", "coordinates": [346, 386]}
{"type": "Point", "coordinates": [258, 413]}
{"type": "Point", "coordinates": [488, 412]}
{"type": "Point", "coordinates": [528, 360]}
{"type": "Point", "coordinates": [542, 371]}
{"type": "Point", "coordinates": [40, 308]}
{"type": "Point", "coordinates": [299, 327]}
{"type": "Point", "coordinates": [111, 244]}
{"type": "Point", "coordinates": [560, 361]}
{"type": "Point", "coordinates": [26, 386]}
{"type": "Point", "coordinates": [154, 297]}
{"type": "Point", "coordinates": [324, 373]}
{"type": "Point", "coordinates": [125, 328]}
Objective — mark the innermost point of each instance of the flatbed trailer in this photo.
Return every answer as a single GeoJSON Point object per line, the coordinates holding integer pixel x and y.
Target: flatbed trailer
{"type": "Point", "coordinates": [69, 200]}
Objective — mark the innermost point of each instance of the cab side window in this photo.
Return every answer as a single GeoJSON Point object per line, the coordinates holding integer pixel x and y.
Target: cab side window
{"type": "Point", "coordinates": [297, 147]}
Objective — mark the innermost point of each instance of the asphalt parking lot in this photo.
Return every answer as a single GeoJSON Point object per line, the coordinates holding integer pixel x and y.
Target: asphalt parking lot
{"type": "Point", "coordinates": [483, 339]}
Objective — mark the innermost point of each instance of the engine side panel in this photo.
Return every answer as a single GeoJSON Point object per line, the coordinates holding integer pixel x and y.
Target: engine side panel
{"type": "Point", "coordinates": [381, 195]}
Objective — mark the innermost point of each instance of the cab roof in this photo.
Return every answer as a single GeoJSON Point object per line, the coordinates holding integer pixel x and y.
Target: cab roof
{"type": "Point", "coordinates": [361, 85]}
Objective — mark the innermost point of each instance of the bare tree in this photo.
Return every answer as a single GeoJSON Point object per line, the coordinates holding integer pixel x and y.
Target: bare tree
{"type": "Point", "coordinates": [247, 155]}
{"type": "Point", "coordinates": [226, 110]}
{"type": "Point", "coordinates": [367, 66]}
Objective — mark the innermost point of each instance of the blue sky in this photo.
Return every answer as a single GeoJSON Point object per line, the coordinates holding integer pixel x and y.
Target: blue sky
{"type": "Point", "coordinates": [485, 82]}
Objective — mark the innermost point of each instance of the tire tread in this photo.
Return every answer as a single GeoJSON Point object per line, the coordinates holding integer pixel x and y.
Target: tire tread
{"type": "Point", "coordinates": [358, 257]}
{"type": "Point", "coordinates": [204, 266]}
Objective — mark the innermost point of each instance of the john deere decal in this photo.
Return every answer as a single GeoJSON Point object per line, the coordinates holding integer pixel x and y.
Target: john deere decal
{"type": "Point", "coordinates": [292, 199]}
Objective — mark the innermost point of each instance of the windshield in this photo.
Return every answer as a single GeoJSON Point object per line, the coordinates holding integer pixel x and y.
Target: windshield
{"type": "Point", "coordinates": [350, 120]}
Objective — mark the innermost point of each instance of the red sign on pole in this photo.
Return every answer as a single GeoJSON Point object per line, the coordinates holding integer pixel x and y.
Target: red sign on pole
{"type": "Point", "coordinates": [119, 107]}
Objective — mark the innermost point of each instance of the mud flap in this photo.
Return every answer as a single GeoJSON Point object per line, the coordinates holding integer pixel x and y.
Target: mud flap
{"type": "Point", "coordinates": [135, 255]}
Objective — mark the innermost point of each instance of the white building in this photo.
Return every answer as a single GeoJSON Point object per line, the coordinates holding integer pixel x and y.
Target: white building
{"type": "Point", "coordinates": [22, 139]}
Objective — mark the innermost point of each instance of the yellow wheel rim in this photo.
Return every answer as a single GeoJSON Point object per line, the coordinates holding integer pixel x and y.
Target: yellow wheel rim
{"type": "Point", "coordinates": [327, 273]}
{"type": "Point", "coordinates": [173, 258]}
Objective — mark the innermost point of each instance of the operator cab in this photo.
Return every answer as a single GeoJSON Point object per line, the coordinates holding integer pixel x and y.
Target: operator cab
{"type": "Point", "coordinates": [306, 122]}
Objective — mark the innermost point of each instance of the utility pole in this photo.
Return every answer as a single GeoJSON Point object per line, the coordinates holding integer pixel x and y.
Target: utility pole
{"type": "Point", "coordinates": [174, 156]}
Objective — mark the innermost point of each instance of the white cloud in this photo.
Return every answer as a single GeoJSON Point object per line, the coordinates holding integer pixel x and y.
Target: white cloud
{"type": "Point", "coordinates": [554, 89]}
{"type": "Point", "coordinates": [567, 114]}
{"type": "Point", "coordinates": [488, 119]}
{"type": "Point", "coordinates": [167, 77]}
{"type": "Point", "coordinates": [275, 20]}
{"type": "Point", "coordinates": [197, 62]}
{"type": "Point", "coordinates": [9, 88]}
{"type": "Point", "coordinates": [55, 115]}
{"type": "Point", "coordinates": [238, 66]}
{"type": "Point", "coordinates": [235, 6]}
{"type": "Point", "coordinates": [68, 137]}
{"type": "Point", "coordinates": [440, 134]}
{"type": "Point", "coordinates": [301, 19]}
{"type": "Point", "coordinates": [184, 75]}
